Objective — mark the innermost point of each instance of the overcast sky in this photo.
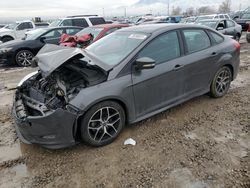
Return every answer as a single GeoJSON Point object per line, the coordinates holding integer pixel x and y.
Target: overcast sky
{"type": "Point", "coordinates": [59, 8]}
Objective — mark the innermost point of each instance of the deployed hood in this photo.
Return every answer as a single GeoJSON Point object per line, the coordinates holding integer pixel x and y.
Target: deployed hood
{"type": "Point", "coordinates": [50, 57]}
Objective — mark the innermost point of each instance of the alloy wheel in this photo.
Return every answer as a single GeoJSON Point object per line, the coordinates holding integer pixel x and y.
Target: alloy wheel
{"type": "Point", "coordinates": [104, 124]}
{"type": "Point", "coordinates": [223, 81]}
{"type": "Point", "coordinates": [24, 58]}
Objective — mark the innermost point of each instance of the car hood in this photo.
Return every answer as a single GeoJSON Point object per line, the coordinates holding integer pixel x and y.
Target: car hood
{"type": "Point", "coordinates": [3, 30]}
{"type": "Point", "coordinates": [11, 43]}
{"type": "Point", "coordinates": [51, 57]}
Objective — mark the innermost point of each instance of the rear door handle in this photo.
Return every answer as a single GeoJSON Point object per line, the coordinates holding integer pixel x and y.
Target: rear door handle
{"type": "Point", "coordinates": [178, 67]}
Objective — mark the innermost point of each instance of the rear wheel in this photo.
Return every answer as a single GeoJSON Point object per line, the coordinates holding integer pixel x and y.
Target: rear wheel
{"type": "Point", "coordinates": [221, 82]}
{"type": "Point", "coordinates": [6, 39]}
{"type": "Point", "coordinates": [102, 123]}
{"type": "Point", "coordinates": [24, 58]}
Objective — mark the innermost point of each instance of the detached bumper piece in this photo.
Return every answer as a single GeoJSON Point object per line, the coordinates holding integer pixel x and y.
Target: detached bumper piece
{"type": "Point", "coordinates": [35, 124]}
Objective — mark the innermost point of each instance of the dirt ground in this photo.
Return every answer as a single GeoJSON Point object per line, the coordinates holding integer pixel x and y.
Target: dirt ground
{"type": "Point", "coordinates": [203, 143]}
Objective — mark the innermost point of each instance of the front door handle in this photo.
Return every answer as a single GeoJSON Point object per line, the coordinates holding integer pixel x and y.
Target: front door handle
{"type": "Point", "coordinates": [178, 67]}
{"type": "Point", "coordinates": [214, 54]}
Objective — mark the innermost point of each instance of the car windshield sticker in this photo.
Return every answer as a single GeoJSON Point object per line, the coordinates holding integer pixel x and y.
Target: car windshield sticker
{"type": "Point", "coordinates": [137, 36]}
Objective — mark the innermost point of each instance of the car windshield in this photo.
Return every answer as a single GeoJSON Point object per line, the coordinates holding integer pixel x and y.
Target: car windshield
{"type": "Point", "coordinates": [95, 31]}
{"type": "Point", "coordinates": [211, 23]}
{"type": "Point", "coordinates": [246, 16]}
{"type": "Point", "coordinates": [35, 34]}
{"type": "Point", "coordinates": [113, 48]}
{"type": "Point", "coordinates": [204, 18]}
{"type": "Point", "coordinates": [55, 23]}
{"type": "Point", "coordinates": [11, 26]}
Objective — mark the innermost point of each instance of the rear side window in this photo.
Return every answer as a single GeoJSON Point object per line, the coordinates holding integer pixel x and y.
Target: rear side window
{"type": "Point", "coordinates": [230, 23]}
{"type": "Point", "coordinates": [221, 16]}
{"type": "Point", "coordinates": [97, 21]}
{"type": "Point", "coordinates": [196, 40]}
{"type": "Point", "coordinates": [80, 22]}
{"type": "Point", "coordinates": [217, 38]}
{"type": "Point", "coordinates": [227, 16]}
{"type": "Point", "coordinates": [163, 48]}
{"type": "Point", "coordinates": [66, 23]}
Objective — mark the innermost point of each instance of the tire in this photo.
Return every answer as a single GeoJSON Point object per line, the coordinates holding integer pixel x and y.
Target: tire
{"type": "Point", "coordinates": [102, 123]}
{"type": "Point", "coordinates": [221, 82]}
{"type": "Point", "coordinates": [6, 39]}
{"type": "Point", "coordinates": [248, 40]}
{"type": "Point", "coordinates": [24, 58]}
{"type": "Point", "coordinates": [237, 37]}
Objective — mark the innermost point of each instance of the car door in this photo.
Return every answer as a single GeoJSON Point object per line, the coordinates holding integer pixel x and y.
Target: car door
{"type": "Point", "coordinates": [200, 61]}
{"type": "Point", "coordinates": [221, 27]}
{"type": "Point", "coordinates": [161, 86]}
{"type": "Point", "coordinates": [22, 28]}
{"type": "Point", "coordinates": [53, 36]}
{"type": "Point", "coordinates": [230, 28]}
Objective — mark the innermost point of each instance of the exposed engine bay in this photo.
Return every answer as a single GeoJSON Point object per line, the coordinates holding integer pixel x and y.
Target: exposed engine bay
{"type": "Point", "coordinates": [41, 95]}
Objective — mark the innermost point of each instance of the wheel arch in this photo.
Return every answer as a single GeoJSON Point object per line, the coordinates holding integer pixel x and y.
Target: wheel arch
{"type": "Point", "coordinates": [4, 36]}
{"type": "Point", "coordinates": [77, 126]}
{"type": "Point", "coordinates": [231, 68]}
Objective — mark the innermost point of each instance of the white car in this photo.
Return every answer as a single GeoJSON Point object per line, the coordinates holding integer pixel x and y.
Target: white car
{"type": "Point", "coordinates": [15, 30]}
{"type": "Point", "coordinates": [212, 16]}
{"type": "Point", "coordinates": [79, 20]}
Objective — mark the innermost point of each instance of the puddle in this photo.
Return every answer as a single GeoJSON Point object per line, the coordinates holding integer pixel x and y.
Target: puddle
{"type": "Point", "coordinates": [9, 153]}
{"type": "Point", "coordinates": [14, 177]}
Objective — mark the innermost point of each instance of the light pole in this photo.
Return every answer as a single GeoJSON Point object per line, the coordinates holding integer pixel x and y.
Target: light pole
{"type": "Point", "coordinates": [168, 7]}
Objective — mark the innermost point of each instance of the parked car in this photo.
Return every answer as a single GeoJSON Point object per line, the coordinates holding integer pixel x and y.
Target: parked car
{"type": "Point", "coordinates": [15, 30]}
{"type": "Point", "coordinates": [123, 78]}
{"type": "Point", "coordinates": [191, 19]}
{"type": "Point", "coordinates": [224, 26]}
{"type": "Point", "coordinates": [21, 52]}
{"type": "Point", "coordinates": [2, 25]}
{"type": "Point", "coordinates": [212, 16]}
{"type": "Point", "coordinates": [97, 32]}
{"type": "Point", "coordinates": [244, 21]}
{"type": "Point", "coordinates": [79, 20]}
{"type": "Point", "coordinates": [248, 33]}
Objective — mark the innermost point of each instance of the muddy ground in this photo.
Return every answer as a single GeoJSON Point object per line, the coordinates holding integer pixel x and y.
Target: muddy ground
{"type": "Point", "coordinates": [203, 143]}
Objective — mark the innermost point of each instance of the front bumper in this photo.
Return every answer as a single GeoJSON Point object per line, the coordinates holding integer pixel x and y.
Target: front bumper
{"type": "Point", "coordinates": [53, 131]}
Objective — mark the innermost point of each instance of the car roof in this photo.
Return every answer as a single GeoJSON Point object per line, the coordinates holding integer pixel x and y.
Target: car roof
{"type": "Point", "coordinates": [151, 28]}
{"type": "Point", "coordinates": [107, 26]}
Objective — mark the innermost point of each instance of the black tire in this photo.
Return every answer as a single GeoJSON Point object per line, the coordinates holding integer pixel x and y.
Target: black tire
{"type": "Point", "coordinates": [248, 40]}
{"type": "Point", "coordinates": [98, 127]}
{"type": "Point", "coordinates": [221, 82]}
{"type": "Point", "coordinates": [23, 58]}
{"type": "Point", "coordinates": [237, 37]}
{"type": "Point", "coordinates": [6, 39]}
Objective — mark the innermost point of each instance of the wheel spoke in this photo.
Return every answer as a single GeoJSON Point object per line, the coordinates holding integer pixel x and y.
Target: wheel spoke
{"type": "Point", "coordinates": [112, 126]}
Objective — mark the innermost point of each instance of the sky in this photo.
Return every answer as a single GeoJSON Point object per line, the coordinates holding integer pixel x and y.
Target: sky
{"type": "Point", "coordinates": [61, 8]}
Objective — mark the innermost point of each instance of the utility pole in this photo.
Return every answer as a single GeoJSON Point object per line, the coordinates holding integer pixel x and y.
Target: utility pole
{"type": "Point", "coordinates": [103, 12]}
{"type": "Point", "coordinates": [125, 12]}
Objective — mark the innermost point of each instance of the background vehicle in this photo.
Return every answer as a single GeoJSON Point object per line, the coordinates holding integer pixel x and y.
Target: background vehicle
{"type": "Point", "coordinates": [248, 33]}
{"type": "Point", "coordinates": [15, 30]}
{"type": "Point", "coordinates": [97, 31]}
{"type": "Point", "coordinates": [2, 25]}
{"type": "Point", "coordinates": [244, 21]}
{"type": "Point", "coordinates": [224, 26]}
{"type": "Point", "coordinates": [92, 93]}
{"type": "Point", "coordinates": [188, 20]}
{"type": "Point", "coordinates": [21, 52]}
{"type": "Point", "coordinates": [212, 16]}
{"type": "Point", "coordinates": [79, 20]}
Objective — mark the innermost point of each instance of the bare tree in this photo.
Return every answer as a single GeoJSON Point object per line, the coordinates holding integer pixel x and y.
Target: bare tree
{"type": "Point", "coordinates": [176, 11]}
{"type": "Point", "coordinates": [225, 7]}
{"type": "Point", "coordinates": [206, 10]}
{"type": "Point", "coordinates": [190, 11]}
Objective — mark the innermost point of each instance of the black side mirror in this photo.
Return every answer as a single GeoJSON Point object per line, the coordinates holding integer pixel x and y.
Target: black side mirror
{"type": "Point", "coordinates": [144, 63]}
{"type": "Point", "coordinates": [42, 39]}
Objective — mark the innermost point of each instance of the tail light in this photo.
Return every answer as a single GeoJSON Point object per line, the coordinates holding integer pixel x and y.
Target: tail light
{"type": "Point", "coordinates": [237, 45]}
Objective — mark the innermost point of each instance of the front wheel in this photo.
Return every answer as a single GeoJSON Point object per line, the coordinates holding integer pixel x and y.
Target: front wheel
{"type": "Point", "coordinates": [221, 82]}
{"type": "Point", "coordinates": [24, 58]}
{"type": "Point", "coordinates": [102, 123]}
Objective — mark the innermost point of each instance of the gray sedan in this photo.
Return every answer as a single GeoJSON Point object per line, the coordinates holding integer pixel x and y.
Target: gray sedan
{"type": "Point", "coordinates": [132, 74]}
{"type": "Point", "coordinates": [224, 26]}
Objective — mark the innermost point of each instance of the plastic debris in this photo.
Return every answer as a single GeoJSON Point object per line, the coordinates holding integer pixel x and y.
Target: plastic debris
{"type": "Point", "coordinates": [130, 141]}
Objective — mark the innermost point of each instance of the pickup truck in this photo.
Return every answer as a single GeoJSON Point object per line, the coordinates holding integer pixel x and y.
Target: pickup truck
{"type": "Point", "coordinates": [15, 30]}
{"type": "Point", "coordinates": [244, 21]}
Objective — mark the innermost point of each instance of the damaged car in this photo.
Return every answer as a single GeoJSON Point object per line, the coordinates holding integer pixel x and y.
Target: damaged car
{"type": "Point", "coordinates": [134, 73]}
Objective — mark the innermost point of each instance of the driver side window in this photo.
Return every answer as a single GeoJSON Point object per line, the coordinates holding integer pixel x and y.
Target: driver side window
{"type": "Point", "coordinates": [163, 48]}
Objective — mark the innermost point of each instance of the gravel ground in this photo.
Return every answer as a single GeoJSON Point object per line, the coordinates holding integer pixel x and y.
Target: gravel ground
{"type": "Point", "coordinates": [203, 143]}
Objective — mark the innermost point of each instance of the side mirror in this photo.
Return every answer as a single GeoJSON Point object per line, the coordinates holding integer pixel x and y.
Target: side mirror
{"type": "Point", "coordinates": [219, 28]}
{"type": "Point", "coordinates": [42, 39]}
{"type": "Point", "coordinates": [144, 63]}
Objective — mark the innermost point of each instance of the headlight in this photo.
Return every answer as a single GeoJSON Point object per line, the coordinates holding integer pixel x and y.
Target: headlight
{"type": "Point", "coordinates": [5, 50]}
{"type": "Point", "coordinates": [26, 78]}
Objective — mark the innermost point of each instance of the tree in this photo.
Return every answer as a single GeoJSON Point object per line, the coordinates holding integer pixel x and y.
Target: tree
{"type": "Point", "coordinates": [190, 11]}
{"type": "Point", "coordinates": [206, 10]}
{"type": "Point", "coordinates": [176, 11]}
{"type": "Point", "coordinates": [225, 7]}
